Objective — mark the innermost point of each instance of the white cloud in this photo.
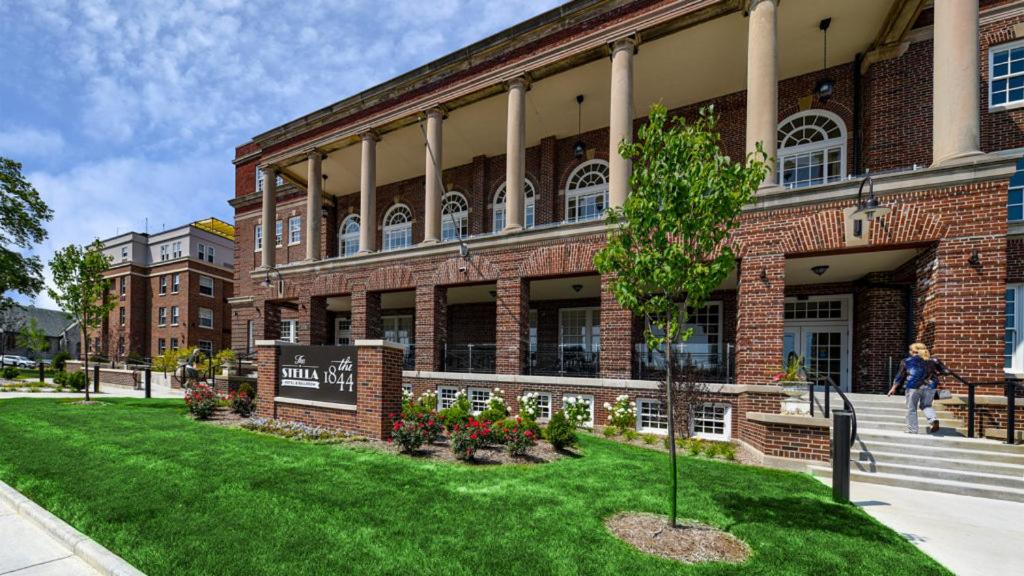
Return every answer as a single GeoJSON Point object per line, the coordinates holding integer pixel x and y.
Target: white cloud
{"type": "Point", "coordinates": [20, 143]}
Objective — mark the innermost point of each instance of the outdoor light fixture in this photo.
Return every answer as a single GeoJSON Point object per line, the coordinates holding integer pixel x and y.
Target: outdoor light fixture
{"type": "Point", "coordinates": [975, 259]}
{"type": "Point", "coordinates": [820, 269]}
{"type": "Point", "coordinates": [280, 281]}
{"type": "Point", "coordinates": [825, 86]}
{"type": "Point", "coordinates": [577, 287]}
{"type": "Point", "coordinates": [764, 275]}
{"type": "Point", "coordinates": [493, 294]}
{"type": "Point", "coordinates": [579, 149]}
{"type": "Point", "coordinates": [870, 207]}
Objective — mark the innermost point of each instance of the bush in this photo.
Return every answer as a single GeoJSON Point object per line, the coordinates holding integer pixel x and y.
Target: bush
{"type": "Point", "coordinates": [74, 380]}
{"type": "Point", "coordinates": [298, 431]}
{"type": "Point", "coordinates": [560, 432]}
{"type": "Point", "coordinates": [650, 438]}
{"type": "Point", "coordinates": [609, 431]}
{"type": "Point", "coordinates": [241, 403]}
{"type": "Point", "coordinates": [247, 389]}
{"type": "Point", "coordinates": [724, 450]}
{"type": "Point", "coordinates": [11, 372]}
{"type": "Point", "coordinates": [465, 440]}
{"type": "Point", "coordinates": [453, 416]}
{"type": "Point", "coordinates": [577, 411]}
{"type": "Point", "coordinates": [631, 434]}
{"type": "Point", "coordinates": [621, 414]}
{"type": "Point", "coordinates": [491, 415]}
{"type": "Point", "coordinates": [500, 426]}
{"type": "Point", "coordinates": [59, 360]}
{"type": "Point", "coordinates": [496, 405]}
{"type": "Point", "coordinates": [429, 422]}
{"type": "Point", "coordinates": [201, 401]}
{"type": "Point", "coordinates": [518, 437]}
{"type": "Point", "coordinates": [408, 435]}
{"type": "Point", "coordinates": [528, 406]}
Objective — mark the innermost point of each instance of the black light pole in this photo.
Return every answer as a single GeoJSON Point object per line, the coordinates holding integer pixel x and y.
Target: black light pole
{"type": "Point", "coordinates": [841, 424]}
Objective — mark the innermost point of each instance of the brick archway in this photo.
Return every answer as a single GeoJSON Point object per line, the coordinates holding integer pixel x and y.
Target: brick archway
{"type": "Point", "coordinates": [562, 260]}
{"type": "Point", "coordinates": [390, 278]}
{"type": "Point", "coordinates": [477, 269]}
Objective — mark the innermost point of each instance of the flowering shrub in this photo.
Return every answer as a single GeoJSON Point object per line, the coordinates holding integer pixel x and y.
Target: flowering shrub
{"type": "Point", "coordinates": [528, 405]}
{"type": "Point", "coordinates": [201, 401]}
{"type": "Point", "coordinates": [622, 414]}
{"type": "Point", "coordinates": [560, 432]}
{"type": "Point", "coordinates": [518, 439]}
{"type": "Point", "coordinates": [426, 404]}
{"type": "Point", "coordinates": [296, 430]}
{"type": "Point", "coordinates": [496, 408]}
{"type": "Point", "coordinates": [577, 411]}
{"type": "Point", "coordinates": [465, 440]}
{"type": "Point", "coordinates": [408, 434]}
{"type": "Point", "coordinates": [458, 413]}
{"type": "Point", "coordinates": [241, 403]}
{"type": "Point", "coordinates": [428, 400]}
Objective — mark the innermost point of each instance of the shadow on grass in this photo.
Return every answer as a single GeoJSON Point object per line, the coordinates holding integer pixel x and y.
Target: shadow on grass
{"type": "Point", "coordinates": [802, 514]}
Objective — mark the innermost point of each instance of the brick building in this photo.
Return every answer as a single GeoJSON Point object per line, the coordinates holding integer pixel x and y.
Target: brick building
{"type": "Point", "coordinates": [483, 270]}
{"type": "Point", "coordinates": [171, 289]}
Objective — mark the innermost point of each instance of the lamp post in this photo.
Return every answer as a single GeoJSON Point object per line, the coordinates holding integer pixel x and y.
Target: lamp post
{"type": "Point", "coordinates": [870, 207]}
{"type": "Point", "coordinates": [267, 283]}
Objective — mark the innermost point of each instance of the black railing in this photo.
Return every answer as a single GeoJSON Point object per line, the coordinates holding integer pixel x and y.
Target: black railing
{"type": "Point", "coordinates": [409, 357]}
{"type": "Point", "coordinates": [716, 367]}
{"type": "Point", "coordinates": [1010, 391]}
{"type": "Point", "coordinates": [564, 361]}
{"type": "Point", "coordinates": [470, 358]}
{"type": "Point", "coordinates": [822, 379]}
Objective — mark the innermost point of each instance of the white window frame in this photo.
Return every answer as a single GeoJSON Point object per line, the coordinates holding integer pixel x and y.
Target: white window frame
{"type": "Point", "coordinates": [824, 146]}
{"type": "Point", "coordinates": [176, 249]}
{"type": "Point", "coordinates": [294, 230]}
{"type": "Point", "coordinates": [122, 289]}
{"type": "Point", "coordinates": [589, 399]}
{"type": "Point", "coordinates": [1016, 188]}
{"type": "Point", "coordinates": [348, 241]}
{"type": "Point", "coordinates": [574, 192]}
{"type": "Point", "coordinates": [164, 252]}
{"type": "Point", "coordinates": [726, 434]}
{"type": "Point", "coordinates": [258, 238]}
{"type": "Point", "coordinates": [161, 316]}
{"type": "Point", "coordinates": [175, 316]}
{"type": "Point", "coordinates": [163, 285]}
{"type": "Point", "coordinates": [206, 318]}
{"type": "Point", "coordinates": [394, 231]}
{"type": "Point", "coordinates": [206, 347]}
{"type": "Point", "coordinates": [250, 336]}
{"type": "Point", "coordinates": [442, 401]}
{"type": "Point", "coordinates": [278, 233]}
{"type": "Point", "coordinates": [210, 254]}
{"type": "Point", "coordinates": [541, 409]}
{"type": "Point", "coordinates": [279, 181]}
{"type": "Point", "coordinates": [641, 406]}
{"type": "Point", "coordinates": [454, 216]}
{"type": "Point", "coordinates": [343, 331]}
{"type": "Point", "coordinates": [588, 337]}
{"type": "Point", "coordinates": [122, 316]}
{"type": "Point", "coordinates": [201, 250]}
{"type": "Point", "coordinates": [175, 283]}
{"type": "Point", "coordinates": [1008, 77]}
{"type": "Point", "coordinates": [392, 323]}
{"type": "Point", "coordinates": [292, 333]}
{"type": "Point", "coordinates": [209, 279]}
{"type": "Point", "coordinates": [473, 403]}
{"type": "Point", "coordinates": [529, 206]}
{"type": "Point", "coordinates": [161, 345]}
{"type": "Point", "coordinates": [174, 343]}
{"type": "Point", "coordinates": [124, 253]}
{"type": "Point", "coordinates": [1014, 328]}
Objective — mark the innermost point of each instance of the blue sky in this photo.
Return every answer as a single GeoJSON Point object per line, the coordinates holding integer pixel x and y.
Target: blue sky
{"type": "Point", "coordinates": [123, 110]}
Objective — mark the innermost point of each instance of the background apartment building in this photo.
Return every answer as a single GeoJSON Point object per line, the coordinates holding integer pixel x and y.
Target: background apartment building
{"type": "Point", "coordinates": [171, 290]}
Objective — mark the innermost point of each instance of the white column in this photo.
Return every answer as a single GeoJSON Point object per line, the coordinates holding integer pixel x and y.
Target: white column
{"type": "Point", "coordinates": [763, 83]}
{"type": "Point", "coordinates": [269, 215]}
{"type": "Point", "coordinates": [515, 159]}
{"type": "Point", "coordinates": [368, 194]}
{"type": "Point", "coordinates": [955, 91]}
{"type": "Point", "coordinates": [434, 187]}
{"type": "Point", "coordinates": [314, 202]}
{"type": "Point", "coordinates": [620, 124]}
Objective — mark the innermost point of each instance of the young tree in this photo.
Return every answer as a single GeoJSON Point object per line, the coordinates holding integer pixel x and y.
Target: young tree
{"type": "Point", "coordinates": [667, 246]}
{"type": "Point", "coordinates": [33, 338]}
{"type": "Point", "coordinates": [22, 214]}
{"type": "Point", "coordinates": [80, 288]}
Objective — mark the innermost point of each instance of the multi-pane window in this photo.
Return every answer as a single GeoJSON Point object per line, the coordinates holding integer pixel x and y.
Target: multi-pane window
{"type": "Point", "coordinates": [205, 318]}
{"type": "Point", "coordinates": [1015, 201]}
{"type": "Point", "coordinates": [811, 149]}
{"type": "Point", "coordinates": [206, 253]}
{"type": "Point", "coordinates": [586, 192]}
{"type": "Point", "coordinates": [162, 316]}
{"type": "Point", "coordinates": [1013, 353]}
{"type": "Point", "coordinates": [279, 181]}
{"type": "Point", "coordinates": [278, 232]}
{"type": "Point", "coordinates": [175, 317]}
{"type": "Point", "coordinates": [121, 316]}
{"type": "Point", "coordinates": [176, 250]}
{"type": "Point", "coordinates": [479, 398]}
{"type": "Point", "coordinates": [163, 285]}
{"type": "Point", "coordinates": [398, 329]}
{"type": "Point", "coordinates": [175, 283]}
{"type": "Point", "coordinates": [711, 421]}
{"type": "Point", "coordinates": [454, 217]}
{"type": "Point", "coordinates": [250, 336]}
{"type": "Point", "coordinates": [580, 330]}
{"type": "Point", "coordinates": [348, 236]}
{"type": "Point", "coordinates": [174, 343]}
{"type": "Point", "coordinates": [123, 287]}
{"type": "Point", "coordinates": [651, 416]}
{"type": "Point", "coordinates": [164, 252]}
{"type": "Point", "coordinates": [205, 286]}
{"type": "Point", "coordinates": [543, 405]}
{"type": "Point", "coordinates": [120, 345]}
{"type": "Point", "coordinates": [446, 396]}
{"type": "Point", "coordinates": [290, 330]}
{"type": "Point", "coordinates": [206, 347]}
{"type": "Point", "coordinates": [397, 228]}
{"type": "Point", "coordinates": [258, 238]}
{"type": "Point", "coordinates": [529, 211]}
{"type": "Point", "coordinates": [588, 400]}
{"type": "Point", "coordinates": [294, 230]}
{"type": "Point", "coordinates": [343, 330]}
{"type": "Point", "coordinates": [813, 310]}
{"type": "Point", "coordinates": [1006, 74]}
{"type": "Point", "coordinates": [124, 253]}
{"type": "Point", "coordinates": [161, 345]}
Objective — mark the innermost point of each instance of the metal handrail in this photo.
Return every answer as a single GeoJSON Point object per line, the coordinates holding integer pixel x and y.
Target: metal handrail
{"type": "Point", "coordinates": [818, 377]}
{"type": "Point", "coordinates": [1010, 388]}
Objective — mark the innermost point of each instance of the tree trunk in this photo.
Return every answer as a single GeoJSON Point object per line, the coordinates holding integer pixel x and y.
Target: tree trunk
{"type": "Point", "coordinates": [85, 339]}
{"type": "Point", "coordinates": [671, 425]}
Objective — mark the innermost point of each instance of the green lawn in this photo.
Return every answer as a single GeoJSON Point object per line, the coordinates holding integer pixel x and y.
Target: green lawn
{"type": "Point", "coordinates": [174, 496]}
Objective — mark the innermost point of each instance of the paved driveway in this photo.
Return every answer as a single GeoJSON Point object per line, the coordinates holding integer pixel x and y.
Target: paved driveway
{"type": "Point", "coordinates": [27, 550]}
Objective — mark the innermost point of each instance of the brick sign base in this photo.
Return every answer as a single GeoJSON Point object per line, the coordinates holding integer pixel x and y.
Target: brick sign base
{"type": "Point", "coordinates": [379, 386]}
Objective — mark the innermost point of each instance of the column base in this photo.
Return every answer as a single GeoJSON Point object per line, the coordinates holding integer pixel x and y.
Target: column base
{"type": "Point", "coordinates": [958, 158]}
{"type": "Point", "coordinates": [364, 252]}
{"type": "Point", "coordinates": [430, 241]}
{"type": "Point", "coordinates": [511, 229]}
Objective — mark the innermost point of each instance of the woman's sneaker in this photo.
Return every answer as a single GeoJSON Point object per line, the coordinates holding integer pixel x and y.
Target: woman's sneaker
{"type": "Point", "coordinates": [934, 427]}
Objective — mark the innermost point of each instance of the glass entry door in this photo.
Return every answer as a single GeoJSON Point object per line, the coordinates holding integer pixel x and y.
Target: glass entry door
{"type": "Point", "coordinates": [825, 349]}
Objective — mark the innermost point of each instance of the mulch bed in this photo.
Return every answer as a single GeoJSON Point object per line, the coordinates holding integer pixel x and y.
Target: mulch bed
{"type": "Point", "coordinates": [540, 453]}
{"type": "Point", "coordinates": [688, 542]}
{"type": "Point", "coordinates": [223, 416]}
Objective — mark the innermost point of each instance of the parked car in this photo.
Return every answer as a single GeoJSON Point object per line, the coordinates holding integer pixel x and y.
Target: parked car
{"type": "Point", "coordinates": [19, 361]}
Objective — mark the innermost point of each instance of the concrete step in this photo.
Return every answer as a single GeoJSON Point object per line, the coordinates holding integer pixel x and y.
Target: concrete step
{"type": "Point", "coordinates": [899, 412]}
{"type": "Point", "coordinates": [930, 484]}
{"type": "Point", "coordinates": [946, 454]}
{"type": "Point", "coordinates": [941, 473]}
{"type": "Point", "coordinates": [1010, 470]}
{"type": "Point", "coordinates": [945, 439]}
{"type": "Point", "coordinates": [893, 425]}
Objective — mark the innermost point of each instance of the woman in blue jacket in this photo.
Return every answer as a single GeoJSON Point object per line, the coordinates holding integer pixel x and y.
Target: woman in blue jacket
{"type": "Point", "coordinates": [920, 376]}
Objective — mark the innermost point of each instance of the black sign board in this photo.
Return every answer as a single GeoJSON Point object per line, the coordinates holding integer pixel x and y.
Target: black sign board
{"type": "Point", "coordinates": [321, 373]}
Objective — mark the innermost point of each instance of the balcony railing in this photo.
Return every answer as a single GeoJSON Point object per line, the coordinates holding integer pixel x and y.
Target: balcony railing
{"type": "Point", "coordinates": [409, 357]}
{"type": "Point", "coordinates": [708, 366]}
{"type": "Point", "coordinates": [470, 358]}
{"type": "Point", "coordinates": [564, 360]}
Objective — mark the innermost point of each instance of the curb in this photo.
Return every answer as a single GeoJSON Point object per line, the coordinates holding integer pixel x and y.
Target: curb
{"type": "Point", "coordinates": [102, 560]}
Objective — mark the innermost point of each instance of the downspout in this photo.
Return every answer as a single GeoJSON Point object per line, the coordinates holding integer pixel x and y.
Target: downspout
{"type": "Point", "coordinates": [858, 111]}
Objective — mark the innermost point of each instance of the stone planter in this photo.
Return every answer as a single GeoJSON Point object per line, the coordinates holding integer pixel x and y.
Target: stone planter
{"type": "Point", "coordinates": [796, 402]}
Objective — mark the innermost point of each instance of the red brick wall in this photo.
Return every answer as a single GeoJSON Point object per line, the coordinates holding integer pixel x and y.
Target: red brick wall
{"type": "Point", "coordinates": [1015, 260]}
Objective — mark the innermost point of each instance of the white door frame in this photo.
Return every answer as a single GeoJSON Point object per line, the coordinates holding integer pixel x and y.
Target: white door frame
{"type": "Point", "coordinates": [844, 324]}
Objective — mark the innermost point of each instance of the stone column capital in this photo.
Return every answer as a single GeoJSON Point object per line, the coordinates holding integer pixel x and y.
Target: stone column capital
{"type": "Point", "coordinates": [630, 42]}
{"type": "Point", "coordinates": [522, 81]}
{"type": "Point", "coordinates": [314, 153]}
{"type": "Point", "coordinates": [269, 169]}
{"type": "Point", "coordinates": [440, 111]}
{"type": "Point", "coordinates": [370, 135]}
{"type": "Point", "coordinates": [751, 4]}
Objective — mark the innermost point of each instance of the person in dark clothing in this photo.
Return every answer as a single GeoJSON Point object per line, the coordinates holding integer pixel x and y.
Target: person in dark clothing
{"type": "Point", "coordinates": [919, 374]}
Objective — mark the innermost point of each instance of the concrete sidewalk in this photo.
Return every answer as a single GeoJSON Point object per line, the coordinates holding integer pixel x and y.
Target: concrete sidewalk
{"type": "Point", "coordinates": [106, 391]}
{"type": "Point", "coordinates": [970, 536]}
{"type": "Point", "coordinates": [28, 550]}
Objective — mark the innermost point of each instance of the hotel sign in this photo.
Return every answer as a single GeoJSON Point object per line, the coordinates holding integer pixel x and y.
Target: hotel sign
{"type": "Point", "coordinates": [320, 373]}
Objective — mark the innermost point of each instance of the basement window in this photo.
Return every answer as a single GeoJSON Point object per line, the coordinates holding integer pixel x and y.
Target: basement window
{"type": "Point", "coordinates": [446, 396]}
{"type": "Point", "coordinates": [651, 416]}
{"type": "Point", "coordinates": [711, 422]}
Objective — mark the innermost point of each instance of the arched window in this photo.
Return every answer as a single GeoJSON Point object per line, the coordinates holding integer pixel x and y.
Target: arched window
{"type": "Point", "coordinates": [528, 211]}
{"type": "Point", "coordinates": [454, 216]}
{"type": "Point", "coordinates": [812, 149]}
{"type": "Point", "coordinates": [348, 236]}
{"type": "Point", "coordinates": [586, 191]}
{"type": "Point", "coordinates": [397, 227]}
